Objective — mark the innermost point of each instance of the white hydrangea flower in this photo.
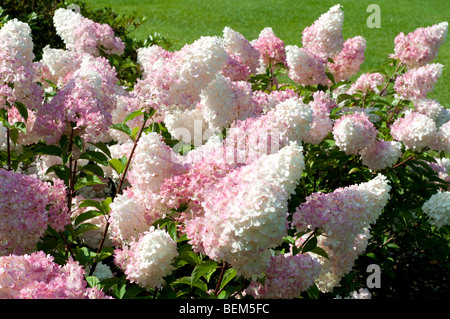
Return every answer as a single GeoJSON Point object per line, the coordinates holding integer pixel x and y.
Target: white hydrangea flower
{"type": "Point", "coordinates": [148, 259]}
{"type": "Point", "coordinates": [437, 207]}
{"type": "Point", "coordinates": [245, 221]}
{"type": "Point", "coordinates": [381, 154]}
{"type": "Point", "coordinates": [324, 36]}
{"type": "Point", "coordinates": [128, 218]}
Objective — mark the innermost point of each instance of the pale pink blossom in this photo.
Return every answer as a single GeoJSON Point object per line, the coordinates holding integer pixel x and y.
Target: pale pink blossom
{"type": "Point", "coordinates": [420, 47]}
{"type": "Point", "coordinates": [37, 276]}
{"type": "Point", "coordinates": [27, 207]}
{"type": "Point", "coordinates": [417, 83]}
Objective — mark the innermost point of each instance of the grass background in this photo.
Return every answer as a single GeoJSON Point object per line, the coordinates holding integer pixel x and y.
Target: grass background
{"type": "Point", "coordinates": [184, 21]}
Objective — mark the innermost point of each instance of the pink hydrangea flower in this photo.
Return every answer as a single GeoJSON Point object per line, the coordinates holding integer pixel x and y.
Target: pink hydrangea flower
{"type": "Point", "coordinates": [27, 207]}
{"type": "Point", "coordinates": [305, 67]}
{"type": "Point", "coordinates": [367, 82]}
{"type": "Point", "coordinates": [346, 211]}
{"type": "Point", "coordinates": [245, 213]}
{"type": "Point", "coordinates": [354, 132]}
{"type": "Point", "coordinates": [417, 83]}
{"type": "Point", "coordinates": [37, 276]}
{"type": "Point", "coordinates": [415, 130]}
{"type": "Point", "coordinates": [244, 57]}
{"type": "Point", "coordinates": [429, 107]}
{"type": "Point", "coordinates": [148, 258]}
{"type": "Point", "coordinates": [83, 35]}
{"type": "Point", "coordinates": [420, 47]}
{"type": "Point", "coordinates": [347, 63]}
{"type": "Point", "coordinates": [17, 68]}
{"type": "Point", "coordinates": [87, 100]}
{"type": "Point", "coordinates": [342, 254]}
{"type": "Point", "coordinates": [286, 277]}
{"type": "Point", "coordinates": [321, 105]}
{"type": "Point", "coordinates": [270, 47]}
{"type": "Point", "coordinates": [180, 77]}
{"type": "Point", "coordinates": [381, 154]}
{"type": "Point", "coordinates": [324, 37]}
{"type": "Point", "coordinates": [444, 137]}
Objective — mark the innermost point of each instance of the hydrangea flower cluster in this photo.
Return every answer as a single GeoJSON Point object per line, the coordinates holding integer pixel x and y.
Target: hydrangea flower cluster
{"type": "Point", "coordinates": [271, 48]}
{"type": "Point", "coordinates": [342, 254]}
{"type": "Point", "coordinates": [437, 208]}
{"type": "Point", "coordinates": [420, 47]}
{"type": "Point", "coordinates": [153, 162]}
{"type": "Point", "coordinates": [344, 212]}
{"type": "Point", "coordinates": [83, 35]}
{"type": "Point", "coordinates": [233, 190]}
{"type": "Point", "coordinates": [381, 154]}
{"type": "Point", "coordinates": [354, 132]}
{"type": "Point", "coordinates": [286, 277]}
{"type": "Point", "coordinates": [178, 78]}
{"type": "Point", "coordinates": [244, 56]}
{"type": "Point", "coordinates": [324, 36]}
{"type": "Point", "coordinates": [27, 207]}
{"type": "Point", "coordinates": [245, 213]}
{"type": "Point", "coordinates": [348, 62]}
{"type": "Point", "coordinates": [322, 124]}
{"type": "Point", "coordinates": [415, 130]}
{"type": "Point", "coordinates": [37, 276]}
{"type": "Point", "coordinates": [305, 67]}
{"type": "Point", "coordinates": [367, 82]}
{"type": "Point", "coordinates": [87, 100]}
{"type": "Point", "coordinates": [18, 73]}
{"type": "Point", "coordinates": [322, 41]}
{"type": "Point", "coordinates": [128, 218]}
{"type": "Point", "coordinates": [58, 65]}
{"type": "Point", "coordinates": [417, 83]}
{"type": "Point", "coordinates": [148, 258]}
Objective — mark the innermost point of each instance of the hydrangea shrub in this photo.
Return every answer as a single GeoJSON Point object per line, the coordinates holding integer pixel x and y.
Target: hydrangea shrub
{"type": "Point", "coordinates": [231, 168]}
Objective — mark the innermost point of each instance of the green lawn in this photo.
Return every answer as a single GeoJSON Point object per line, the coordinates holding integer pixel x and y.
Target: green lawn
{"type": "Point", "coordinates": [184, 21]}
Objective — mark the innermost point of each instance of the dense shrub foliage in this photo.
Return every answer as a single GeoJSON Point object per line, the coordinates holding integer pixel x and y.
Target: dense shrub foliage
{"type": "Point", "coordinates": [227, 169]}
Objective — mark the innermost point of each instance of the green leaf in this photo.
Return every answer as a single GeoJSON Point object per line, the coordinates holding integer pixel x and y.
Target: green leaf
{"type": "Point", "coordinates": [87, 181]}
{"type": "Point", "coordinates": [117, 165]}
{"type": "Point", "coordinates": [93, 168]}
{"type": "Point", "coordinates": [319, 251]}
{"type": "Point", "coordinates": [14, 134]}
{"type": "Point", "coordinates": [22, 110]}
{"type": "Point", "coordinates": [106, 205]}
{"type": "Point", "coordinates": [310, 245]}
{"type": "Point", "coordinates": [122, 127]}
{"type": "Point", "coordinates": [92, 281]}
{"type": "Point", "coordinates": [78, 141]}
{"type": "Point", "coordinates": [342, 97]}
{"type": "Point", "coordinates": [21, 127]}
{"type": "Point", "coordinates": [313, 292]}
{"type": "Point", "coordinates": [202, 269]}
{"type": "Point", "coordinates": [84, 228]}
{"type": "Point", "coordinates": [103, 147]}
{"type": "Point", "coordinates": [189, 256]}
{"type": "Point", "coordinates": [330, 76]}
{"type": "Point", "coordinates": [187, 281]}
{"type": "Point", "coordinates": [95, 156]}
{"type": "Point", "coordinates": [42, 149]}
{"type": "Point", "coordinates": [119, 290]}
{"type": "Point", "coordinates": [83, 255]}
{"type": "Point", "coordinates": [229, 275]}
{"type": "Point", "coordinates": [91, 203]}
{"type": "Point", "coordinates": [86, 216]}
{"type": "Point", "coordinates": [132, 115]}
{"type": "Point", "coordinates": [61, 171]}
